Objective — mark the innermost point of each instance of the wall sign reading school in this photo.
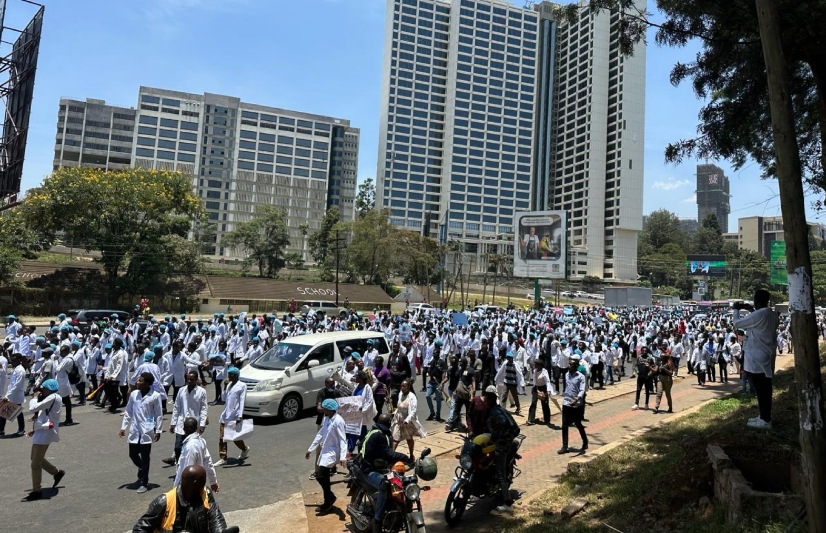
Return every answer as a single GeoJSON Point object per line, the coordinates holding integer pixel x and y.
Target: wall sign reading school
{"type": "Point", "coordinates": [540, 244]}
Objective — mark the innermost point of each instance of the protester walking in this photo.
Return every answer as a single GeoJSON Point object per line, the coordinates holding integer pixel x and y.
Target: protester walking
{"type": "Point", "coordinates": [574, 396]}
{"type": "Point", "coordinates": [46, 406]}
{"type": "Point", "coordinates": [664, 372]}
{"type": "Point", "coordinates": [234, 396]}
{"type": "Point", "coordinates": [144, 419]}
{"type": "Point", "coordinates": [331, 443]}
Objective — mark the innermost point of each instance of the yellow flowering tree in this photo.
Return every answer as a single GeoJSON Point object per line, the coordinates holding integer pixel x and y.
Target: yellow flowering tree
{"type": "Point", "coordinates": [129, 216]}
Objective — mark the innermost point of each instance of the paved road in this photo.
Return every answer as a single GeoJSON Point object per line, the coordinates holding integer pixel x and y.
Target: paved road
{"type": "Point", "coordinates": [96, 496]}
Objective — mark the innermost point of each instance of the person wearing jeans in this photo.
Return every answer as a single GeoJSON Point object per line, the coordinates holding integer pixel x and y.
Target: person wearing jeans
{"type": "Point", "coordinates": [574, 396]}
{"type": "Point", "coordinates": [144, 419]}
{"type": "Point", "coordinates": [436, 378]}
{"type": "Point", "coordinates": [759, 352]}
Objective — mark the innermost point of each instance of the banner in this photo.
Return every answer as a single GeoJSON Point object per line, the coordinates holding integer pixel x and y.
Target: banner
{"type": "Point", "coordinates": [540, 244]}
{"type": "Point", "coordinates": [349, 408]}
{"type": "Point", "coordinates": [777, 263]}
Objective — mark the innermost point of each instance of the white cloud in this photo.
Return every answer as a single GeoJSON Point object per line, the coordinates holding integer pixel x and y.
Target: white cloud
{"type": "Point", "coordinates": [691, 199]}
{"type": "Point", "coordinates": [670, 184]}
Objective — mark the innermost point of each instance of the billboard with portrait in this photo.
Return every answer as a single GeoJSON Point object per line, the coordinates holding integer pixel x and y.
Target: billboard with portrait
{"type": "Point", "coordinates": [706, 265]}
{"type": "Point", "coordinates": [540, 244]}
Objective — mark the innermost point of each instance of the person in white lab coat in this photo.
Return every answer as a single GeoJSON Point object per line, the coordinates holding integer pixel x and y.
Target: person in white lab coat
{"type": "Point", "coordinates": [144, 419]}
{"type": "Point", "coordinates": [190, 403]}
{"type": "Point", "coordinates": [62, 367]}
{"type": "Point", "coordinates": [16, 392]}
{"type": "Point", "coordinates": [195, 452]}
{"type": "Point", "coordinates": [46, 405]}
{"type": "Point", "coordinates": [333, 442]}
{"type": "Point", "coordinates": [234, 397]}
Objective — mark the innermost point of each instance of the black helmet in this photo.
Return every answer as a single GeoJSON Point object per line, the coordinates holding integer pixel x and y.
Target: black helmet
{"type": "Point", "coordinates": [427, 469]}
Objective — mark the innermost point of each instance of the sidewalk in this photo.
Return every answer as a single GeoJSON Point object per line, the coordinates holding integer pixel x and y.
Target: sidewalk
{"type": "Point", "coordinates": [609, 418]}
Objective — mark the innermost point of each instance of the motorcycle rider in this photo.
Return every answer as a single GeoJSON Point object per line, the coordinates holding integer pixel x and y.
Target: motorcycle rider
{"type": "Point", "coordinates": [377, 454]}
{"type": "Point", "coordinates": [503, 429]}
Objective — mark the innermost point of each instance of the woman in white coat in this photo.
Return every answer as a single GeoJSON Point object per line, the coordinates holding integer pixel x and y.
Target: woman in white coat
{"type": "Point", "coordinates": [17, 392]}
{"type": "Point", "coordinates": [62, 367]}
{"type": "Point", "coordinates": [367, 408]}
{"type": "Point", "coordinates": [47, 408]}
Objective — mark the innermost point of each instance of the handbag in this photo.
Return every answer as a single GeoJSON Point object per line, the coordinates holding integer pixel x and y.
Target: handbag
{"type": "Point", "coordinates": [10, 410]}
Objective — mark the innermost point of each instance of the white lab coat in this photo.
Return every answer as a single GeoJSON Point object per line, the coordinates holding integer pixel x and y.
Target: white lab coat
{"type": "Point", "coordinates": [189, 405]}
{"type": "Point", "coordinates": [4, 368]}
{"type": "Point", "coordinates": [234, 406]}
{"type": "Point", "coordinates": [195, 452]}
{"type": "Point", "coordinates": [153, 369]}
{"type": "Point", "coordinates": [177, 366]}
{"type": "Point", "coordinates": [333, 441]}
{"type": "Point", "coordinates": [17, 386]}
{"type": "Point", "coordinates": [48, 418]}
{"type": "Point", "coordinates": [62, 367]}
{"type": "Point", "coordinates": [143, 417]}
{"type": "Point", "coordinates": [760, 345]}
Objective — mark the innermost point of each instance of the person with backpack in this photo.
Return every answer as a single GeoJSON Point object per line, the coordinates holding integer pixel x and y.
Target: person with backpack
{"type": "Point", "coordinates": [64, 366]}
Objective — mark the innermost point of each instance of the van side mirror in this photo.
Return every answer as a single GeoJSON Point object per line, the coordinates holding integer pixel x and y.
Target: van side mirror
{"type": "Point", "coordinates": [312, 364]}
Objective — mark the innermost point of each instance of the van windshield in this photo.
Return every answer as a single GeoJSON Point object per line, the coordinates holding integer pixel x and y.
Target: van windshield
{"type": "Point", "coordinates": [281, 356]}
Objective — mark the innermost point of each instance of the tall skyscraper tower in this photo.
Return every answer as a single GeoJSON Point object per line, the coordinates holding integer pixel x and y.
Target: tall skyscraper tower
{"type": "Point", "coordinates": [713, 195]}
{"type": "Point", "coordinates": [490, 108]}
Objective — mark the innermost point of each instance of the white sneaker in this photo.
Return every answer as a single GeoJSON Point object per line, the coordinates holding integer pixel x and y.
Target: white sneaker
{"type": "Point", "coordinates": [244, 454]}
{"type": "Point", "coordinates": [504, 508]}
{"type": "Point", "coordinates": [635, 407]}
{"type": "Point", "coordinates": [142, 489]}
{"type": "Point", "coordinates": [753, 420]}
{"type": "Point", "coordinates": [760, 424]}
{"type": "Point", "coordinates": [221, 462]}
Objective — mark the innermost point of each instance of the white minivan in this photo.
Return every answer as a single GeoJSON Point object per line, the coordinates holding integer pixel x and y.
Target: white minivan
{"type": "Point", "coordinates": [286, 378]}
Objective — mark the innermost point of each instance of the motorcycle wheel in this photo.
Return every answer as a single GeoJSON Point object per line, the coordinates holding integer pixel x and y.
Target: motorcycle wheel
{"type": "Point", "coordinates": [456, 504]}
{"type": "Point", "coordinates": [356, 502]}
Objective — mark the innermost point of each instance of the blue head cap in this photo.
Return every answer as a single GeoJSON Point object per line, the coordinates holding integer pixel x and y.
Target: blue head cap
{"type": "Point", "coordinates": [234, 370]}
{"type": "Point", "coordinates": [509, 355]}
{"type": "Point", "coordinates": [578, 351]}
{"type": "Point", "coordinates": [158, 346]}
{"type": "Point", "coordinates": [12, 317]}
{"type": "Point", "coordinates": [108, 346]}
{"type": "Point", "coordinates": [438, 342]}
{"type": "Point", "coordinates": [50, 384]}
{"type": "Point", "coordinates": [329, 404]}
{"type": "Point", "coordinates": [356, 356]}
{"type": "Point", "coordinates": [76, 343]}
{"type": "Point", "coordinates": [147, 356]}
{"type": "Point", "coordinates": [61, 316]}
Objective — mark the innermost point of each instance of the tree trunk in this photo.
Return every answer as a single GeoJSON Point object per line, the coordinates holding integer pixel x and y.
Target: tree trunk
{"type": "Point", "coordinates": [804, 329]}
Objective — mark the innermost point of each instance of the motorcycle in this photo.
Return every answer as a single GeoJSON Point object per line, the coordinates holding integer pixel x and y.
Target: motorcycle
{"type": "Point", "coordinates": [476, 474]}
{"type": "Point", "coordinates": [403, 510]}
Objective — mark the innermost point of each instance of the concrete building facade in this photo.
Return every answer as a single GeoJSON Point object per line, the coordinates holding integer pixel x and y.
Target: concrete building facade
{"type": "Point", "coordinates": [91, 133]}
{"type": "Point", "coordinates": [491, 108]}
{"type": "Point", "coordinates": [713, 195]}
{"type": "Point", "coordinates": [239, 155]}
{"type": "Point", "coordinates": [757, 233]}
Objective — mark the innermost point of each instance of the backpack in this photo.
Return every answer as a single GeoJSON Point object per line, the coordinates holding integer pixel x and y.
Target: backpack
{"type": "Point", "coordinates": [74, 373]}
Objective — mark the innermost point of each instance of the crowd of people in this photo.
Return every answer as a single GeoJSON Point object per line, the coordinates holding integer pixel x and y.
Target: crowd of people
{"type": "Point", "coordinates": [464, 360]}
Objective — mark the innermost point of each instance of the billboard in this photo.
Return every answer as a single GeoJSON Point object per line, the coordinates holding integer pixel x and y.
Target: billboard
{"type": "Point", "coordinates": [777, 263]}
{"type": "Point", "coordinates": [19, 67]}
{"type": "Point", "coordinates": [706, 265]}
{"type": "Point", "coordinates": [540, 244]}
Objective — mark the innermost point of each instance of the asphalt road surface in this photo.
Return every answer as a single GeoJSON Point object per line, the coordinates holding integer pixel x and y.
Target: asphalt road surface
{"type": "Point", "coordinates": [97, 494]}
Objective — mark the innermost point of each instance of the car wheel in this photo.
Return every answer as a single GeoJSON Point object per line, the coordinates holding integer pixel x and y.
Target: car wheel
{"type": "Point", "coordinates": [290, 408]}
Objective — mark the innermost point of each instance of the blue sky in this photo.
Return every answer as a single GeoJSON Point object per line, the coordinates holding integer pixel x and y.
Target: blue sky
{"type": "Point", "coordinates": [318, 56]}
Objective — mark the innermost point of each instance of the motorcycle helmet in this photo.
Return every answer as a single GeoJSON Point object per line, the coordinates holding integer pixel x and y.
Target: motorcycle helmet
{"type": "Point", "coordinates": [427, 469]}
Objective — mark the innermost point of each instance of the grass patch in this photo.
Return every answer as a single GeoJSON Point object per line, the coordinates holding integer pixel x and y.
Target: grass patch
{"type": "Point", "coordinates": [662, 481]}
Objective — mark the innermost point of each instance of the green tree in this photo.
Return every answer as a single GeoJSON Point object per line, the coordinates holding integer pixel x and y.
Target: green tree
{"type": "Point", "coordinates": [371, 252]}
{"type": "Point", "coordinates": [591, 284]}
{"type": "Point", "coordinates": [366, 198]}
{"type": "Point", "coordinates": [321, 242]}
{"type": "Point", "coordinates": [118, 213]}
{"type": "Point", "coordinates": [709, 240]}
{"type": "Point", "coordinates": [819, 277]}
{"type": "Point", "coordinates": [417, 258]}
{"type": "Point", "coordinates": [661, 227]}
{"type": "Point", "coordinates": [262, 239]}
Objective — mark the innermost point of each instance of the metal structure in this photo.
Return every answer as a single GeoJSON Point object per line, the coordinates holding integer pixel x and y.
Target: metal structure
{"type": "Point", "coordinates": [16, 93]}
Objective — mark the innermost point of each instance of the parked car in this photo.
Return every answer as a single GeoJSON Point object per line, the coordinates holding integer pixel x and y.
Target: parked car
{"type": "Point", "coordinates": [84, 318]}
{"type": "Point", "coordinates": [329, 308]}
{"type": "Point", "coordinates": [286, 378]}
{"type": "Point", "coordinates": [421, 307]}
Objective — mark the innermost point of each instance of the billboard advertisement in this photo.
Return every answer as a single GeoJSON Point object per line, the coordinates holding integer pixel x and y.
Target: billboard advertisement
{"type": "Point", "coordinates": [777, 263]}
{"type": "Point", "coordinates": [540, 244]}
{"type": "Point", "coordinates": [706, 265]}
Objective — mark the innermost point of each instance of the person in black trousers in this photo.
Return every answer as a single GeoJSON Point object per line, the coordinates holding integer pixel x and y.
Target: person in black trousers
{"type": "Point", "coordinates": [645, 364]}
{"type": "Point", "coordinates": [574, 396]}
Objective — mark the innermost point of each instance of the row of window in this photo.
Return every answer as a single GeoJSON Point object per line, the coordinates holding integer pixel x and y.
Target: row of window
{"type": "Point", "coordinates": [165, 154]}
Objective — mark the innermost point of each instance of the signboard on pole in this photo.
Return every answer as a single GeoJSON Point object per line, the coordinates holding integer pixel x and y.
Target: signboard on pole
{"type": "Point", "coordinates": [540, 244]}
{"type": "Point", "coordinates": [777, 263]}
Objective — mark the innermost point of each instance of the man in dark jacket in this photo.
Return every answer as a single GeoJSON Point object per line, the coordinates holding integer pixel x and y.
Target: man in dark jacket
{"type": "Point", "coordinates": [376, 454]}
{"type": "Point", "coordinates": [192, 508]}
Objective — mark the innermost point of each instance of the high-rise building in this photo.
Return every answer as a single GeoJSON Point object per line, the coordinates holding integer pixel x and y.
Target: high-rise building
{"type": "Point", "coordinates": [757, 233]}
{"type": "Point", "coordinates": [91, 133]}
{"type": "Point", "coordinates": [490, 108]}
{"type": "Point", "coordinates": [713, 195]}
{"type": "Point", "coordinates": [239, 154]}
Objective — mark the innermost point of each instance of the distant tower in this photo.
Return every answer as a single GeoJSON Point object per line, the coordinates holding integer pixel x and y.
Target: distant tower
{"type": "Point", "coordinates": [713, 195]}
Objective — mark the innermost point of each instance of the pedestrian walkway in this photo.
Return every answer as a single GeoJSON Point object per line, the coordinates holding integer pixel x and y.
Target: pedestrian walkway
{"type": "Point", "coordinates": [608, 418]}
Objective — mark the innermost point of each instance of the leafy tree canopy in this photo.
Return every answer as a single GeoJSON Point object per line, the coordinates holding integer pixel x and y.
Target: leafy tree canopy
{"type": "Point", "coordinates": [262, 239]}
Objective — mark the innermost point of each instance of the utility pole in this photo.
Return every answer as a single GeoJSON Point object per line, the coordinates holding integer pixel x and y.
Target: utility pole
{"type": "Point", "coordinates": [338, 248]}
{"type": "Point", "coordinates": [808, 380]}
